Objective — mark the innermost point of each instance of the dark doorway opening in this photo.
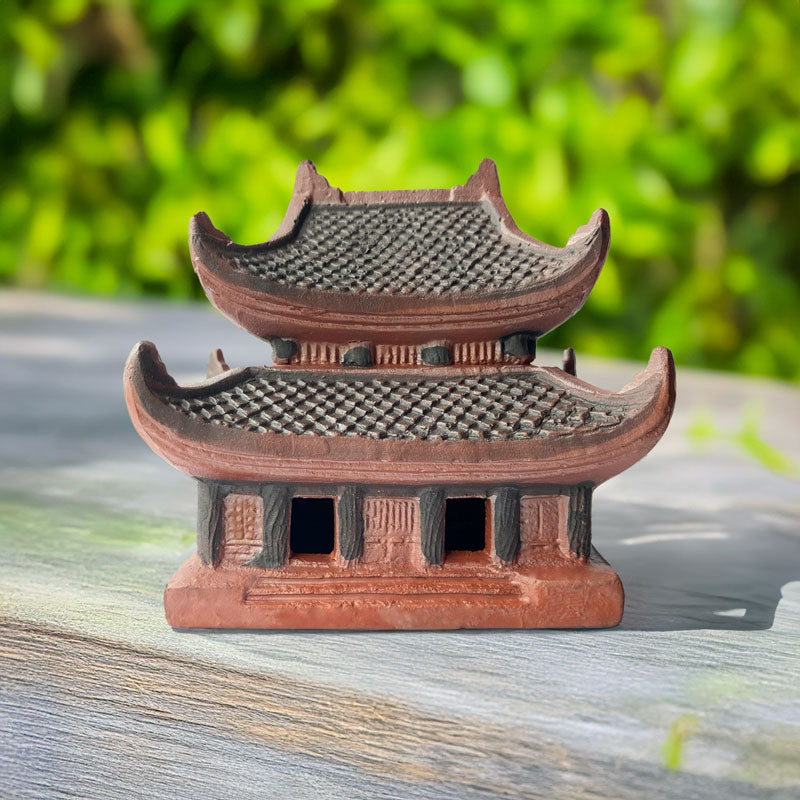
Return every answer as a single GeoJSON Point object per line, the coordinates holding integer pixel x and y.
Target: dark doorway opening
{"type": "Point", "coordinates": [312, 526]}
{"type": "Point", "coordinates": [465, 524]}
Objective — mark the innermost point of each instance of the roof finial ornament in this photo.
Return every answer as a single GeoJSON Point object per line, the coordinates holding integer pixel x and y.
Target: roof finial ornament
{"type": "Point", "coordinates": [314, 186]}
{"type": "Point", "coordinates": [568, 362]}
{"type": "Point", "coordinates": [216, 364]}
{"type": "Point", "coordinates": [485, 179]}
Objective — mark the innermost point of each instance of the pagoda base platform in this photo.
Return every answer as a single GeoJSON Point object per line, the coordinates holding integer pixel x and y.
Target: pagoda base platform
{"type": "Point", "coordinates": [565, 594]}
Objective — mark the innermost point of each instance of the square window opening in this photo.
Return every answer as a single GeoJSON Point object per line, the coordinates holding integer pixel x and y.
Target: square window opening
{"type": "Point", "coordinates": [465, 524]}
{"type": "Point", "coordinates": [312, 526]}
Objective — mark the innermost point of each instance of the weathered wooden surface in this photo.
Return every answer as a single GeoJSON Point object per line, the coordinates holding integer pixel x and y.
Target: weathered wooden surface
{"type": "Point", "coordinates": [99, 698]}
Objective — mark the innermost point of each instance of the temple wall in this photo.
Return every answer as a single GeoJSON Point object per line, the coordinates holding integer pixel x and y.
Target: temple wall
{"type": "Point", "coordinates": [391, 531]}
{"type": "Point", "coordinates": [543, 527]}
{"type": "Point", "coordinates": [250, 523]}
{"type": "Point", "coordinates": [242, 529]}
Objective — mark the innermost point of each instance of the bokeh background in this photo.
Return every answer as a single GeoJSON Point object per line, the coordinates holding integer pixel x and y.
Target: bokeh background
{"type": "Point", "coordinates": [119, 120]}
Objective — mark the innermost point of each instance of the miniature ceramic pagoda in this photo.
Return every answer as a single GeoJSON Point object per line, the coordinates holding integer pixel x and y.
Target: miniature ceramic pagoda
{"type": "Point", "coordinates": [404, 464]}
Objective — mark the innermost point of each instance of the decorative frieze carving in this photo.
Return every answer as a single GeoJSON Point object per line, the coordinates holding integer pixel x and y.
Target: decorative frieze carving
{"type": "Point", "coordinates": [241, 529]}
{"type": "Point", "coordinates": [396, 355]}
{"type": "Point", "coordinates": [391, 531]}
{"type": "Point", "coordinates": [477, 352]}
{"type": "Point", "coordinates": [322, 353]}
{"type": "Point", "coordinates": [330, 354]}
{"type": "Point", "coordinates": [543, 527]}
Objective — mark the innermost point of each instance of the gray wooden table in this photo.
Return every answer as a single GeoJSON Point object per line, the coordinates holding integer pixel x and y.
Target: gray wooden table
{"type": "Point", "coordinates": [695, 695]}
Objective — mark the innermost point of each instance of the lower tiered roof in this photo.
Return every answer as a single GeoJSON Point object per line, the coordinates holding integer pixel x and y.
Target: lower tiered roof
{"type": "Point", "coordinates": [462, 425]}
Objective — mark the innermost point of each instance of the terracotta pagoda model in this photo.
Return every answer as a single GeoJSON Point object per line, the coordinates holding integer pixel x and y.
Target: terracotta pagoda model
{"type": "Point", "coordinates": [404, 464]}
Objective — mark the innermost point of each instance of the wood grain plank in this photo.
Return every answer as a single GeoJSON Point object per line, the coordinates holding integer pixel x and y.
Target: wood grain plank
{"type": "Point", "coordinates": [100, 699]}
{"type": "Point", "coordinates": [150, 700]}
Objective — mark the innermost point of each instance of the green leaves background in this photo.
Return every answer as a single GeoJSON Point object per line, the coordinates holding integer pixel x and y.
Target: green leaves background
{"type": "Point", "coordinates": [119, 120]}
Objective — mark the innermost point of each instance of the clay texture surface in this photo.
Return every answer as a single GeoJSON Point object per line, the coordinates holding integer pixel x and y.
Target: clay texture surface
{"type": "Point", "coordinates": [399, 267]}
{"type": "Point", "coordinates": [404, 465]}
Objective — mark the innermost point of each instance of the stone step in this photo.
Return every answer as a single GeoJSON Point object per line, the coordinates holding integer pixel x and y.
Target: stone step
{"type": "Point", "coordinates": [268, 589]}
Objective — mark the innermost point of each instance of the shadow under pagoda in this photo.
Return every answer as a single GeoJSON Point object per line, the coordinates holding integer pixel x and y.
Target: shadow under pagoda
{"type": "Point", "coordinates": [404, 464]}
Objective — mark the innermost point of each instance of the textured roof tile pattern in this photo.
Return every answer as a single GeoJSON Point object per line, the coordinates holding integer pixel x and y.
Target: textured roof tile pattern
{"type": "Point", "coordinates": [403, 249]}
{"type": "Point", "coordinates": [495, 407]}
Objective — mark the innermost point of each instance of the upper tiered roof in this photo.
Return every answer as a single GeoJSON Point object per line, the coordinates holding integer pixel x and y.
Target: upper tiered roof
{"type": "Point", "coordinates": [398, 266]}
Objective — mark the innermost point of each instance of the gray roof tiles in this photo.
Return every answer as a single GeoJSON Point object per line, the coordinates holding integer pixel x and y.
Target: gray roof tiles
{"type": "Point", "coordinates": [504, 406]}
{"type": "Point", "coordinates": [400, 249]}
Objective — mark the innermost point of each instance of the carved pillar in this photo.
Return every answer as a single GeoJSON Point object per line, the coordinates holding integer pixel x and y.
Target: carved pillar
{"type": "Point", "coordinates": [351, 523]}
{"type": "Point", "coordinates": [209, 520]}
{"type": "Point", "coordinates": [506, 524]}
{"type": "Point", "coordinates": [579, 523]}
{"type": "Point", "coordinates": [431, 512]}
{"type": "Point", "coordinates": [276, 501]}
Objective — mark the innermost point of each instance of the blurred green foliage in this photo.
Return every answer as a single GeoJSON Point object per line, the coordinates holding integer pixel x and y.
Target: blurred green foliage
{"type": "Point", "coordinates": [119, 120]}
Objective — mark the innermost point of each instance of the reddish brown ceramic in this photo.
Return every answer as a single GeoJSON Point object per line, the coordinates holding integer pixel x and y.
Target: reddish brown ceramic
{"type": "Point", "coordinates": [405, 465]}
{"type": "Point", "coordinates": [557, 284]}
